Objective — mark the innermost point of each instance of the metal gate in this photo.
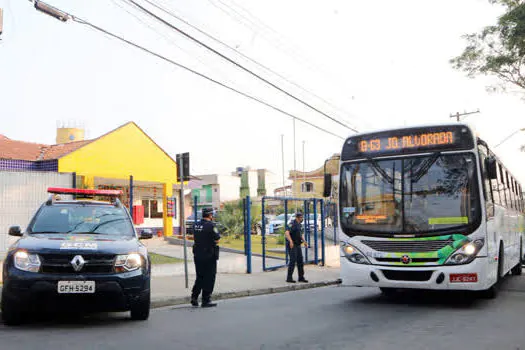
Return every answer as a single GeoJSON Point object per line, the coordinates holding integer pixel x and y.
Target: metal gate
{"type": "Point", "coordinates": [274, 252]}
{"type": "Point", "coordinates": [21, 194]}
{"type": "Point", "coordinates": [331, 223]}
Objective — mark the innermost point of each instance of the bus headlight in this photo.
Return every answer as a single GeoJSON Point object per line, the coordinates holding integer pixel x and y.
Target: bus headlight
{"type": "Point", "coordinates": [466, 253]}
{"type": "Point", "coordinates": [354, 255]}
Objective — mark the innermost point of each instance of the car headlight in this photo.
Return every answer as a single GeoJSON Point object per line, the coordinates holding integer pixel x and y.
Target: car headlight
{"type": "Point", "coordinates": [128, 262]}
{"type": "Point", "coordinates": [27, 262]}
{"type": "Point", "coordinates": [466, 253]}
{"type": "Point", "coordinates": [354, 255]}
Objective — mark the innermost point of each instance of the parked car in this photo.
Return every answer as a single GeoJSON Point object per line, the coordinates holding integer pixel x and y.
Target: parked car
{"type": "Point", "coordinates": [279, 221]}
{"type": "Point", "coordinates": [77, 255]}
{"type": "Point", "coordinates": [191, 219]}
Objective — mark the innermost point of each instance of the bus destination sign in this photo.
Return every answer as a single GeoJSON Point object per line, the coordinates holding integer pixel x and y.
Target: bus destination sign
{"type": "Point", "coordinates": [408, 141]}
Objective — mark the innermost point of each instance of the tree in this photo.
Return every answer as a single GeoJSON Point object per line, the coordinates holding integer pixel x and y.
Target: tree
{"type": "Point", "coordinates": [498, 50]}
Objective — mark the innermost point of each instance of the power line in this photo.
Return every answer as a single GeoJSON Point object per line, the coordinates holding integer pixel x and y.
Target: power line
{"type": "Point", "coordinates": [293, 51]}
{"type": "Point", "coordinates": [237, 64]}
{"type": "Point", "coordinates": [166, 37]}
{"type": "Point", "coordinates": [174, 15]}
{"type": "Point", "coordinates": [95, 27]}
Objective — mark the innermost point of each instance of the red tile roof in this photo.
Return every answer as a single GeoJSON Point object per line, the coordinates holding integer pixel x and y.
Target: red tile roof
{"type": "Point", "coordinates": [11, 149]}
{"type": "Point", "coordinates": [60, 150]}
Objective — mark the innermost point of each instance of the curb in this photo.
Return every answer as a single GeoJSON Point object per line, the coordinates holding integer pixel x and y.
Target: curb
{"type": "Point", "coordinates": [163, 302]}
{"type": "Point", "coordinates": [169, 301]}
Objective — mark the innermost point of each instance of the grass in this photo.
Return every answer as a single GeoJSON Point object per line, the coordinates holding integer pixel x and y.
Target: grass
{"type": "Point", "coordinates": [157, 259]}
{"type": "Point", "coordinates": [271, 243]}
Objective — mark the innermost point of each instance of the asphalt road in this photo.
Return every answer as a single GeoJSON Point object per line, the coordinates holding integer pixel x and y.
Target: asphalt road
{"type": "Point", "coordinates": [323, 318]}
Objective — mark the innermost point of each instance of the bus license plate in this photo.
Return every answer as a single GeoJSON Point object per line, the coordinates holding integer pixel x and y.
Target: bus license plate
{"type": "Point", "coordinates": [463, 278]}
{"type": "Point", "coordinates": [76, 287]}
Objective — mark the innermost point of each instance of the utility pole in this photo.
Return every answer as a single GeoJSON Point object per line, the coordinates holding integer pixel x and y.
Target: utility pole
{"type": "Point", "coordinates": [304, 173]}
{"type": "Point", "coordinates": [282, 157]}
{"type": "Point", "coordinates": [458, 115]}
{"type": "Point", "coordinates": [294, 164]}
{"type": "Point", "coordinates": [1, 21]}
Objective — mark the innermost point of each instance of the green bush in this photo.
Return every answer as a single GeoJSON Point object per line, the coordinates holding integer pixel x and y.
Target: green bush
{"type": "Point", "coordinates": [281, 239]}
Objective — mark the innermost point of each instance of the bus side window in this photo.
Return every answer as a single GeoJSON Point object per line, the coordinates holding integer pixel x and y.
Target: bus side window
{"type": "Point", "coordinates": [501, 187]}
{"type": "Point", "coordinates": [487, 188]}
{"type": "Point", "coordinates": [486, 182]}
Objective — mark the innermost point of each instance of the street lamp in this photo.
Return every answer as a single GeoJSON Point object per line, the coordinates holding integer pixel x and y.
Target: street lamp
{"type": "Point", "coordinates": [508, 137]}
{"type": "Point", "coordinates": [51, 11]}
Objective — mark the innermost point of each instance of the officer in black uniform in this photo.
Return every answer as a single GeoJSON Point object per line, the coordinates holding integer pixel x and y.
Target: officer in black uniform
{"type": "Point", "coordinates": [294, 239]}
{"type": "Point", "coordinates": [205, 256]}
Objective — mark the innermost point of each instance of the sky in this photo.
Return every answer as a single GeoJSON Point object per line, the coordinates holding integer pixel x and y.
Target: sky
{"type": "Point", "coordinates": [381, 64]}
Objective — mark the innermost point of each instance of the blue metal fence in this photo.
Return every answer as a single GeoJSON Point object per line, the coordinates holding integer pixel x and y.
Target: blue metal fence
{"type": "Point", "coordinates": [316, 244]}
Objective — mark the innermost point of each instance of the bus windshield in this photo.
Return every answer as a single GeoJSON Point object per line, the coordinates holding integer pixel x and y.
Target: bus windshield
{"type": "Point", "coordinates": [414, 195]}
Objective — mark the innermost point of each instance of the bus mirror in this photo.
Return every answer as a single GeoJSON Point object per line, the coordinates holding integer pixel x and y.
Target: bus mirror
{"type": "Point", "coordinates": [491, 166]}
{"type": "Point", "coordinates": [327, 185]}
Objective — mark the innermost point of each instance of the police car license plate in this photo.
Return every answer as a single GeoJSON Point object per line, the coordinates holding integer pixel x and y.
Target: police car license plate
{"type": "Point", "coordinates": [76, 287]}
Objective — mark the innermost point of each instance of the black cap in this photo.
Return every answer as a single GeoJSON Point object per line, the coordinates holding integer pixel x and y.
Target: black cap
{"type": "Point", "coordinates": [299, 215]}
{"type": "Point", "coordinates": [207, 212]}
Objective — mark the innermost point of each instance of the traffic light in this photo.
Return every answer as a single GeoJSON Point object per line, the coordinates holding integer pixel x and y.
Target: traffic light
{"type": "Point", "coordinates": [185, 166]}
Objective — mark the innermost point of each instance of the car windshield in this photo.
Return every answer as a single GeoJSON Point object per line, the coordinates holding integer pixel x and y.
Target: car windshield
{"type": "Point", "coordinates": [411, 195]}
{"type": "Point", "coordinates": [106, 220]}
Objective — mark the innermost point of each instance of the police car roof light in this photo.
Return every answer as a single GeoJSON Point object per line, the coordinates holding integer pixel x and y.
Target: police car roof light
{"type": "Point", "coordinates": [89, 192]}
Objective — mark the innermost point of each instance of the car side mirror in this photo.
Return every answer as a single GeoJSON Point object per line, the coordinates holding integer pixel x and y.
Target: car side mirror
{"type": "Point", "coordinates": [15, 231]}
{"type": "Point", "coordinates": [491, 167]}
{"type": "Point", "coordinates": [327, 190]}
{"type": "Point", "coordinates": [146, 234]}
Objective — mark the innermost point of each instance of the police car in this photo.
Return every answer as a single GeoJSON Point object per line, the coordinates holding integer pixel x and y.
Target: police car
{"type": "Point", "coordinates": [80, 255]}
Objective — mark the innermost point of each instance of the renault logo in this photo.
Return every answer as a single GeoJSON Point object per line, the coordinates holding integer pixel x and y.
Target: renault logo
{"type": "Point", "coordinates": [405, 259]}
{"type": "Point", "coordinates": [78, 262]}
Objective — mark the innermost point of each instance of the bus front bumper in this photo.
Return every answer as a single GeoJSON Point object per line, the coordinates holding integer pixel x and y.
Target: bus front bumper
{"type": "Point", "coordinates": [478, 275]}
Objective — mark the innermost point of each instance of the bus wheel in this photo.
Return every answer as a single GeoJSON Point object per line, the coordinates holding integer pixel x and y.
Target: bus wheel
{"type": "Point", "coordinates": [389, 292]}
{"type": "Point", "coordinates": [516, 270]}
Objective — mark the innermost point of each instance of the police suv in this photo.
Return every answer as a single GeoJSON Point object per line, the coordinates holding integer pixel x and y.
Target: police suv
{"type": "Point", "coordinates": [77, 255]}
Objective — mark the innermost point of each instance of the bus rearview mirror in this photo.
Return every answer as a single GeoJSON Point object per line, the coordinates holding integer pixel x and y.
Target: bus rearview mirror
{"type": "Point", "coordinates": [327, 190]}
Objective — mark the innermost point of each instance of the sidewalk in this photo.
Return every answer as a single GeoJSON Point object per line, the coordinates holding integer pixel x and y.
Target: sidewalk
{"type": "Point", "coordinates": [168, 281]}
{"type": "Point", "coordinates": [171, 290]}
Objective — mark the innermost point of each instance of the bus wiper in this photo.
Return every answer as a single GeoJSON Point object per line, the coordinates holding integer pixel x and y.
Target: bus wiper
{"type": "Point", "coordinates": [425, 167]}
{"type": "Point", "coordinates": [380, 170]}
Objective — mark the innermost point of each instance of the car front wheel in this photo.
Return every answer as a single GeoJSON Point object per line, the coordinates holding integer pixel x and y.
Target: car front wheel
{"type": "Point", "coordinates": [140, 308]}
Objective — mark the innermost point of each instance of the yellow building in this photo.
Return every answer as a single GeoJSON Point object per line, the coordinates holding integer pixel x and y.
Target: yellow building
{"type": "Point", "coordinates": [310, 184]}
{"type": "Point", "coordinates": [125, 158]}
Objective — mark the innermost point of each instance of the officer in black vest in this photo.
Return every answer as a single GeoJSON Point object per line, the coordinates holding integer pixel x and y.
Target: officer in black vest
{"type": "Point", "coordinates": [294, 239]}
{"type": "Point", "coordinates": [205, 256]}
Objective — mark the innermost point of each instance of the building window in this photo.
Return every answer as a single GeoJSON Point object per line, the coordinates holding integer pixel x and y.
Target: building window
{"type": "Point", "coordinates": [156, 209]}
{"type": "Point", "coordinates": [152, 208]}
{"type": "Point", "coordinates": [145, 204]}
{"type": "Point", "coordinates": [307, 187]}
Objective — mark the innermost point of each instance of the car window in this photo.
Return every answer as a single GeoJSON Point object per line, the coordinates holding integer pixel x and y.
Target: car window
{"type": "Point", "coordinates": [82, 218]}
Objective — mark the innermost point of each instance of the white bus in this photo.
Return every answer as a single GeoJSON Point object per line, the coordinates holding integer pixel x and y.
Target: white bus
{"type": "Point", "coordinates": [427, 208]}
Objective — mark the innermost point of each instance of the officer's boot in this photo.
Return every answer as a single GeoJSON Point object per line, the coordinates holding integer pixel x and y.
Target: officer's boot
{"type": "Point", "coordinates": [194, 298]}
{"type": "Point", "coordinates": [206, 301]}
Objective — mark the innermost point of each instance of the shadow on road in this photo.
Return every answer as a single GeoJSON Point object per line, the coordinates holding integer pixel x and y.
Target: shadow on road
{"type": "Point", "coordinates": [73, 321]}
